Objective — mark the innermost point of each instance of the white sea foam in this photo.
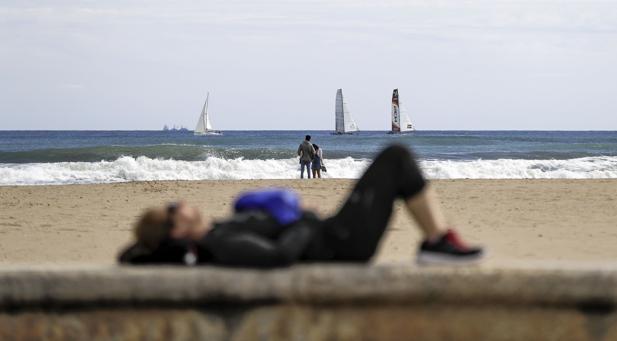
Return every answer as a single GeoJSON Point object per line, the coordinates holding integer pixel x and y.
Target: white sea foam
{"type": "Point", "coordinates": [580, 168]}
{"type": "Point", "coordinates": [214, 168]}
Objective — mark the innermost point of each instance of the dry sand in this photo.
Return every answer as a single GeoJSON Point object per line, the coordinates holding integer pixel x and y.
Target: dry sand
{"type": "Point", "coordinates": [557, 220]}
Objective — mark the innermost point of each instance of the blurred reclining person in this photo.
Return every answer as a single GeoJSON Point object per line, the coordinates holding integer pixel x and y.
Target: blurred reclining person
{"type": "Point", "coordinates": [275, 235]}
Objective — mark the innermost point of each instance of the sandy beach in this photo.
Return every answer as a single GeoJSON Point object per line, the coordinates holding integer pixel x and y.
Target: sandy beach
{"type": "Point", "coordinates": [562, 220]}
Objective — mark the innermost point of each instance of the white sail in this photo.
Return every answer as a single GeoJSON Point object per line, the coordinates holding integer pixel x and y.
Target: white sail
{"type": "Point", "coordinates": [400, 119]}
{"type": "Point", "coordinates": [344, 123]}
{"type": "Point", "coordinates": [208, 123]}
{"type": "Point", "coordinates": [204, 126]}
{"type": "Point", "coordinates": [406, 124]}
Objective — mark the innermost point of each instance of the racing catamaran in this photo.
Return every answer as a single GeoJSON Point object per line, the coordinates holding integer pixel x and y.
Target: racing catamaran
{"type": "Point", "coordinates": [344, 123]}
{"type": "Point", "coordinates": [401, 123]}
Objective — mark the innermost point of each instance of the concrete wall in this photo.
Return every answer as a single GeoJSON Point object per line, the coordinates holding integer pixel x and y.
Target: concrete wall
{"type": "Point", "coordinates": [333, 302]}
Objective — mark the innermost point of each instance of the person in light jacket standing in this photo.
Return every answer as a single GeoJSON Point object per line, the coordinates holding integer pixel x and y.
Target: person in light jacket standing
{"type": "Point", "coordinates": [306, 152]}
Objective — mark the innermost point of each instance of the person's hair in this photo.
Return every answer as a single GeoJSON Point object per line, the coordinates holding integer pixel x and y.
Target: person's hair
{"type": "Point", "coordinates": [315, 146]}
{"type": "Point", "coordinates": [152, 228]}
{"type": "Point", "coordinates": [308, 137]}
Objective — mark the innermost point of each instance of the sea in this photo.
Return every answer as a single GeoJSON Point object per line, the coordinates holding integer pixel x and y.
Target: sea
{"type": "Point", "coordinates": [86, 157]}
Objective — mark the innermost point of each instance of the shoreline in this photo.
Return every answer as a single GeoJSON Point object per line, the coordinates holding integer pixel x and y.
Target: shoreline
{"type": "Point", "coordinates": [144, 182]}
{"type": "Point", "coordinates": [516, 219]}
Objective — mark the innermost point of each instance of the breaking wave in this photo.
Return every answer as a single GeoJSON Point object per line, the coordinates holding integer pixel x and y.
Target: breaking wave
{"type": "Point", "coordinates": [128, 168]}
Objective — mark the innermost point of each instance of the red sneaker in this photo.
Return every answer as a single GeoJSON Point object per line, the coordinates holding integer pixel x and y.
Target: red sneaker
{"type": "Point", "coordinates": [448, 249]}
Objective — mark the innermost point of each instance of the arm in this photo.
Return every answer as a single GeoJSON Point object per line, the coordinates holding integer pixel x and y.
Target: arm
{"type": "Point", "coordinates": [135, 254]}
{"type": "Point", "coordinates": [247, 249]}
{"type": "Point", "coordinates": [169, 252]}
{"type": "Point", "coordinates": [300, 150]}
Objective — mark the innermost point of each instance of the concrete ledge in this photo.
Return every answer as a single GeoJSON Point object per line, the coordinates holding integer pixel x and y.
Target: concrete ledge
{"type": "Point", "coordinates": [309, 303]}
{"type": "Point", "coordinates": [324, 284]}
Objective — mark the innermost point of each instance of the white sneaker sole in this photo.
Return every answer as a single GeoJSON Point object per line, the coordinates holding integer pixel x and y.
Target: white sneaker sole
{"type": "Point", "coordinates": [436, 258]}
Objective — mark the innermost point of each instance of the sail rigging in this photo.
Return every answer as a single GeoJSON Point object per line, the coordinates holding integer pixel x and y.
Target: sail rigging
{"type": "Point", "coordinates": [401, 122]}
{"type": "Point", "coordinates": [344, 122]}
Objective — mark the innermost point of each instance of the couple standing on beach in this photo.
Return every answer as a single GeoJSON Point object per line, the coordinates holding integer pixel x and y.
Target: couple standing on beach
{"type": "Point", "coordinates": [311, 158]}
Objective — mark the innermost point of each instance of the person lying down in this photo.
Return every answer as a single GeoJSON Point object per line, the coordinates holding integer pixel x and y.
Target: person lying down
{"type": "Point", "coordinates": [269, 229]}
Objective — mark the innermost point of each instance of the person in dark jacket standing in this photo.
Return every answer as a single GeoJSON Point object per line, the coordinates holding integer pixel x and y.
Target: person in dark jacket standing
{"type": "Point", "coordinates": [306, 152]}
{"type": "Point", "coordinates": [177, 234]}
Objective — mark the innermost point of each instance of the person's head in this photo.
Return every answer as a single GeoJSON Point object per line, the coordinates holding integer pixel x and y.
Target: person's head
{"type": "Point", "coordinates": [176, 221]}
{"type": "Point", "coordinates": [315, 146]}
{"type": "Point", "coordinates": [307, 137]}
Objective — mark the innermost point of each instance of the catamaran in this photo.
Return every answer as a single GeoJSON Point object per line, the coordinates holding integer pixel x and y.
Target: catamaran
{"type": "Point", "coordinates": [204, 126]}
{"type": "Point", "coordinates": [401, 123]}
{"type": "Point", "coordinates": [344, 123]}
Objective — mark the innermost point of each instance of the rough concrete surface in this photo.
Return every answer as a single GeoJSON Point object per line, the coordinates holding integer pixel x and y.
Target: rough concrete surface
{"type": "Point", "coordinates": [327, 302]}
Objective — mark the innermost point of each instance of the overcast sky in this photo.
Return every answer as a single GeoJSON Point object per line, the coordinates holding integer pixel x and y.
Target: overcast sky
{"type": "Point", "coordinates": [277, 64]}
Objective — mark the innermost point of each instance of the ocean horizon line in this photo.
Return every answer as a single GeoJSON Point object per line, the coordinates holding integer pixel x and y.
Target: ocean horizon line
{"type": "Point", "coordinates": [312, 130]}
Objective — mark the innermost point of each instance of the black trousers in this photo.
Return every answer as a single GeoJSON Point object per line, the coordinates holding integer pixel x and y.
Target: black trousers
{"type": "Point", "coordinates": [357, 228]}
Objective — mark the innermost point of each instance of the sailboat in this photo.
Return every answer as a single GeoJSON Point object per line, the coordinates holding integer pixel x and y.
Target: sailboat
{"type": "Point", "coordinates": [344, 123]}
{"type": "Point", "coordinates": [204, 126]}
{"type": "Point", "coordinates": [401, 123]}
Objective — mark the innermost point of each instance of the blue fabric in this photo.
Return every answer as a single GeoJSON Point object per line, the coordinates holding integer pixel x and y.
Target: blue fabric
{"type": "Point", "coordinates": [316, 163]}
{"type": "Point", "coordinates": [283, 205]}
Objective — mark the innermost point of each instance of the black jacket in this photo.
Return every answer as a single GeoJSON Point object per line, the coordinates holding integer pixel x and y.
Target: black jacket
{"type": "Point", "coordinates": [249, 239]}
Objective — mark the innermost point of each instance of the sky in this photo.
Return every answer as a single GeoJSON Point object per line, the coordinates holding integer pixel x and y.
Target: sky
{"type": "Point", "coordinates": [276, 64]}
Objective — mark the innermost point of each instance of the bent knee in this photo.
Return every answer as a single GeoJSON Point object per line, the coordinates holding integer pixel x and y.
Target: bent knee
{"type": "Point", "coordinates": [396, 152]}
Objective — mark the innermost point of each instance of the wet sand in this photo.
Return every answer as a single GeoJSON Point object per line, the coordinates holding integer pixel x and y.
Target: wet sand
{"type": "Point", "coordinates": [518, 220]}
